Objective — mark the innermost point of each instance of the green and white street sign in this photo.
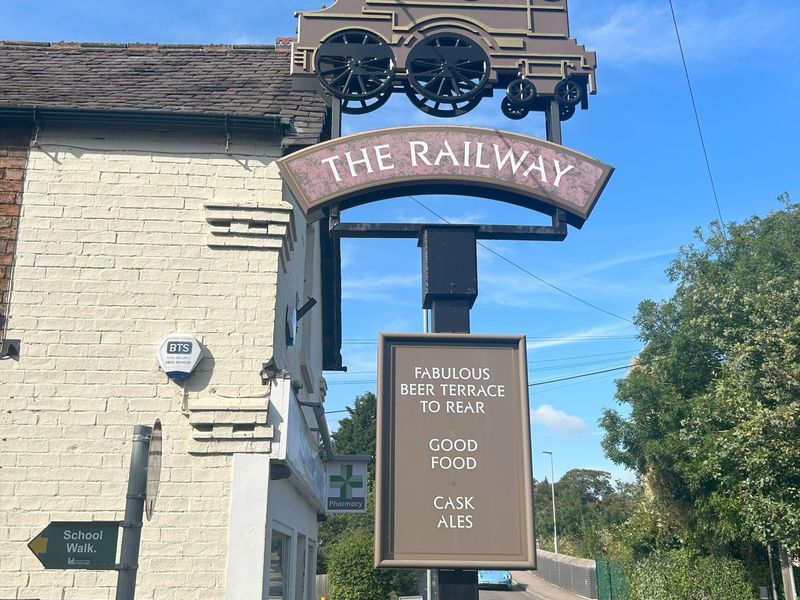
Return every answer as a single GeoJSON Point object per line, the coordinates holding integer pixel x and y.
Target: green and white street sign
{"type": "Point", "coordinates": [347, 487]}
{"type": "Point", "coordinates": [77, 545]}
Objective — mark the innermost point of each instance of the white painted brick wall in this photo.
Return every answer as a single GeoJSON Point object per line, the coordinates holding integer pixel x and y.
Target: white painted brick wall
{"type": "Point", "coordinates": [112, 256]}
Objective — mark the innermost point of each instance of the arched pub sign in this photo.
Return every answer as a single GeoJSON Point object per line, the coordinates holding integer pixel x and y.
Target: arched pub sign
{"type": "Point", "coordinates": [459, 160]}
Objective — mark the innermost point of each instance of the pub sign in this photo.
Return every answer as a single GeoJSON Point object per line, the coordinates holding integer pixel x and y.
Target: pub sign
{"type": "Point", "coordinates": [454, 484]}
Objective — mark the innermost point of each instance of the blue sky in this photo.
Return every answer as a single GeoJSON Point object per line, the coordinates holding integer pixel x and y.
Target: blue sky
{"type": "Point", "coordinates": [744, 66]}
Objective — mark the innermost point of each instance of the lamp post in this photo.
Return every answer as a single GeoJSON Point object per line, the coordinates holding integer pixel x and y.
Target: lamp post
{"type": "Point", "coordinates": [553, 495]}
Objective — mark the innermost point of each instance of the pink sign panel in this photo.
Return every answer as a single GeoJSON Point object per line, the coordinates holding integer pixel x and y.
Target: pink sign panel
{"type": "Point", "coordinates": [445, 159]}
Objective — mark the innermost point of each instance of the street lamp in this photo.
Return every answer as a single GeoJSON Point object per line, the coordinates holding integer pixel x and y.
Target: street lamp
{"type": "Point", "coordinates": [553, 495]}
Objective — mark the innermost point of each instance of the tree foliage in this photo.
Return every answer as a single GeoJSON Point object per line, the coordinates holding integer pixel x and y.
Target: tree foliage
{"type": "Point", "coordinates": [356, 432]}
{"type": "Point", "coordinates": [351, 574]}
{"type": "Point", "coordinates": [682, 574]}
{"type": "Point", "coordinates": [589, 508]}
{"type": "Point", "coordinates": [715, 395]}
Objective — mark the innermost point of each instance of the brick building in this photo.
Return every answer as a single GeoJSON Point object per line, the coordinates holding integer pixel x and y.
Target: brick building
{"type": "Point", "coordinates": [138, 198]}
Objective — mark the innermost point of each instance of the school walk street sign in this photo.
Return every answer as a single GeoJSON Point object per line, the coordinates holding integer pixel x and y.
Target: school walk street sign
{"type": "Point", "coordinates": [77, 545]}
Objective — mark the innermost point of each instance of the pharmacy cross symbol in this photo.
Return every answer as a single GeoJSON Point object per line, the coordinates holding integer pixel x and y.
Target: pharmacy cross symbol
{"type": "Point", "coordinates": [346, 482]}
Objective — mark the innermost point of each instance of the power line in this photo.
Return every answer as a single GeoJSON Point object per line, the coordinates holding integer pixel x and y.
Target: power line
{"type": "Point", "coordinates": [549, 360]}
{"type": "Point", "coordinates": [697, 119]}
{"type": "Point", "coordinates": [576, 338]}
{"type": "Point", "coordinates": [573, 365]}
{"type": "Point", "coordinates": [581, 375]}
{"type": "Point", "coordinates": [548, 381]}
{"type": "Point", "coordinates": [535, 383]}
{"type": "Point", "coordinates": [531, 274]}
{"type": "Point", "coordinates": [546, 365]}
{"type": "Point", "coordinates": [574, 383]}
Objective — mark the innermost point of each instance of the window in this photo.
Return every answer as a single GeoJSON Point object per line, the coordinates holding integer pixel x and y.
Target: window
{"type": "Point", "coordinates": [311, 569]}
{"type": "Point", "coordinates": [279, 566]}
{"type": "Point", "coordinates": [300, 569]}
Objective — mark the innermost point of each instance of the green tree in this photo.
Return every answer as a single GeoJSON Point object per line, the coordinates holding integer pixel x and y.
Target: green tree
{"type": "Point", "coordinates": [356, 432]}
{"type": "Point", "coordinates": [351, 574]}
{"type": "Point", "coordinates": [681, 574]}
{"type": "Point", "coordinates": [715, 395]}
{"type": "Point", "coordinates": [589, 507]}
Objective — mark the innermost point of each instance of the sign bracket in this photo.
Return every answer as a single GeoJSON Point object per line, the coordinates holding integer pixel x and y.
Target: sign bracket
{"type": "Point", "coordinates": [556, 232]}
{"type": "Point", "coordinates": [552, 121]}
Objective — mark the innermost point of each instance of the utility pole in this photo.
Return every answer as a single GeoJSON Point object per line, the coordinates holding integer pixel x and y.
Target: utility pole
{"type": "Point", "coordinates": [789, 590]}
{"type": "Point", "coordinates": [134, 510]}
{"type": "Point", "coordinates": [553, 496]}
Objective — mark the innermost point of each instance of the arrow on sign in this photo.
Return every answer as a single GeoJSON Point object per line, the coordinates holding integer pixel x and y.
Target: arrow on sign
{"type": "Point", "coordinates": [38, 545]}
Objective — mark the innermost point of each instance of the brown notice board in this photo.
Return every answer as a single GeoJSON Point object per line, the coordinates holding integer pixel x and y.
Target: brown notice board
{"type": "Point", "coordinates": [454, 484]}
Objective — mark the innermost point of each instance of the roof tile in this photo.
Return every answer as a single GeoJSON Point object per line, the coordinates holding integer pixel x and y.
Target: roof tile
{"type": "Point", "coordinates": [218, 79]}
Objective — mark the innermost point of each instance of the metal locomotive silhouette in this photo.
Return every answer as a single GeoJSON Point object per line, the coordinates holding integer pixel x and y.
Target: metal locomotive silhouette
{"type": "Point", "coordinates": [445, 55]}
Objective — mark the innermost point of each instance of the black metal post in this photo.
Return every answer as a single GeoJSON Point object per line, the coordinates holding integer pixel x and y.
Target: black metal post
{"type": "Point", "coordinates": [331, 272]}
{"type": "Point", "coordinates": [449, 289]}
{"type": "Point", "coordinates": [552, 116]}
{"type": "Point", "coordinates": [134, 509]}
{"type": "Point", "coordinates": [336, 118]}
{"type": "Point", "coordinates": [449, 275]}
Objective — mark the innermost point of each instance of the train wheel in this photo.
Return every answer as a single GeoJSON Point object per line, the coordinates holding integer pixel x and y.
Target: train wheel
{"type": "Point", "coordinates": [513, 110]}
{"type": "Point", "coordinates": [365, 105]}
{"type": "Point", "coordinates": [521, 92]}
{"type": "Point", "coordinates": [565, 111]}
{"type": "Point", "coordinates": [448, 68]}
{"type": "Point", "coordinates": [355, 65]}
{"type": "Point", "coordinates": [441, 108]}
{"type": "Point", "coordinates": [569, 92]}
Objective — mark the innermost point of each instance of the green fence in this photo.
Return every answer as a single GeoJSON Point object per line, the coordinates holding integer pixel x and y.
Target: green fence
{"type": "Point", "coordinates": [611, 584]}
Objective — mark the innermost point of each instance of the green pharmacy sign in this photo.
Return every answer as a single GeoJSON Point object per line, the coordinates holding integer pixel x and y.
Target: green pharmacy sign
{"type": "Point", "coordinates": [347, 487]}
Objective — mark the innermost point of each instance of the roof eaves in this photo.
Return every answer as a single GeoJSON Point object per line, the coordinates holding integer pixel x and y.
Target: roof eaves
{"type": "Point", "coordinates": [46, 116]}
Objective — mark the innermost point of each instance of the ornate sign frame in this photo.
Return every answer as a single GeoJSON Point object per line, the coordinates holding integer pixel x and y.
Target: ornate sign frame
{"type": "Point", "coordinates": [470, 161]}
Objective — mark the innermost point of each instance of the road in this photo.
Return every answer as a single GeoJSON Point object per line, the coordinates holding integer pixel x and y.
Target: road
{"type": "Point", "coordinates": [516, 594]}
{"type": "Point", "coordinates": [529, 587]}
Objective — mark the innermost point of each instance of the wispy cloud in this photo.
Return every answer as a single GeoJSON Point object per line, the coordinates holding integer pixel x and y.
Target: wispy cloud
{"type": "Point", "coordinates": [248, 39]}
{"type": "Point", "coordinates": [511, 288]}
{"type": "Point", "coordinates": [505, 285]}
{"type": "Point", "coordinates": [582, 336]}
{"type": "Point", "coordinates": [376, 288]}
{"type": "Point", "coordinates": [359, 360]}
{"type": "Point", "coordinates": [347, 256]}
{"type": "Point", "coordinates": [557, 420]}
{"type": "Point", "coordinates": [635, 33]}
{"type": "Point", "coordinates": [428, 217]}
{"type": "Point", "coordinates": [620, 261]}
